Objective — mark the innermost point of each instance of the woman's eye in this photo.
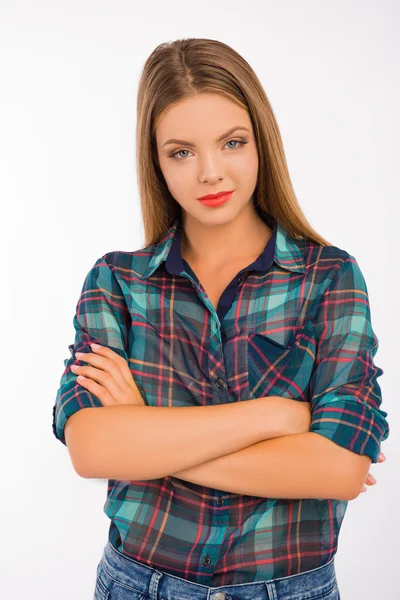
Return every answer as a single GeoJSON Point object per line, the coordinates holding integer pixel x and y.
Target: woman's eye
{"type": "Point", "coordinates": [178, 152]}
{"type": "Point", "coordinates": [235, 142]}
{"type": "Point", "coordinates": [175, 155]}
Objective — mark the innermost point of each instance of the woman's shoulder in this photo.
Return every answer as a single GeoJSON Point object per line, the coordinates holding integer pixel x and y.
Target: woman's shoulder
{"type": "Point", "coordinates": [324, 262]}
{"type": "Point", "coordinates": [128, 262]}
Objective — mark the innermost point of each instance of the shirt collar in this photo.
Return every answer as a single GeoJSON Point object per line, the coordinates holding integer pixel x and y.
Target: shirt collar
{"type": "Point", "coordinates": [281, 248]}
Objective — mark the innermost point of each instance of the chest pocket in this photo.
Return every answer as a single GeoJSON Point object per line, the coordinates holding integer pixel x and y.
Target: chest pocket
{"type": "Point", "coordinates": [279, 369]}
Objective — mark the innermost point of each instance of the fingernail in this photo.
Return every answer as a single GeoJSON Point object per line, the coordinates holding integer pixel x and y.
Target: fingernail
{"type": "Point", "coordinates": [382, 456]}
{"type": "Point", "coordinates": [95, 346]}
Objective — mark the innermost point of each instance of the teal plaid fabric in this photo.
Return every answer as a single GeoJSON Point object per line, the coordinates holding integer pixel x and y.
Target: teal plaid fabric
{"type": "Point", "coordinates": [294, 323]}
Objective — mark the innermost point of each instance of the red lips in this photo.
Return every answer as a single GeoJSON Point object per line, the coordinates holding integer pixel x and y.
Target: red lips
{"type": "Point", "coordinates": [215, 195]}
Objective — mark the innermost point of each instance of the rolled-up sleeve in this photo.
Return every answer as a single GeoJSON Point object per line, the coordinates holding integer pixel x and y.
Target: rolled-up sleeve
{"type": "Point", "coordinates": [345, 394]}
{"type": "Point", "coordinates": [101, 316]}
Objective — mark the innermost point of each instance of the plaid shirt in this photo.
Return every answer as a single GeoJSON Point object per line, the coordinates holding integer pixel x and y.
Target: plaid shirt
{"type": "Point", "coordinates": [294, 323]}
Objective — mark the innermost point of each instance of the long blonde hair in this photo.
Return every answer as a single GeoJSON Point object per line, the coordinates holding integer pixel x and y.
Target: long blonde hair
{"type": "Point", "coordinates": [180, 69]}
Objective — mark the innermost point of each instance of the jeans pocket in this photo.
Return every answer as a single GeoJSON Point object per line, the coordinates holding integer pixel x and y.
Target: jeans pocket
{"type": "Point", "coordinates": [111, 584]}
{"type": "Point", "coordinates": [331, 594]}
{"type": "Point", "coordinates": [100, 592]}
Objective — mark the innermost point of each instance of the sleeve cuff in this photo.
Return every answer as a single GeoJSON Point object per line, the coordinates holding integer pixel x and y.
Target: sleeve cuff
{"type": "Point", "coordinates": [353, 425]}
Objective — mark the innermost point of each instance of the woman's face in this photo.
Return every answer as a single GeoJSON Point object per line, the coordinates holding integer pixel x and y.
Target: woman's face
{"type": "Point", "coordinates": [209, 157]}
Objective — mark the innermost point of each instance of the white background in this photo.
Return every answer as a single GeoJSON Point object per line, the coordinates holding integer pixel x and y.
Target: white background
{"type": "Point", "coordinates": [68, 81]}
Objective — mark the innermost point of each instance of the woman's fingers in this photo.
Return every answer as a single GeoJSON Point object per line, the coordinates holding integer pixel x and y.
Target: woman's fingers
{"type": "Point", "coordinates": [107, 362]}
{"type": "Point", "coordinates": [370, 480]}
{"type": "Point", "coordinates": [122, 374]}
{"type": "Point", "coordinates": [119, 368]}
{"type": "Point", "coordinates": [102, 378]}
{"type": "Point", "coordinates": [106, 374]}
{"type": "Point", "coordinates": [111, 374]}
{"type": "Point", "coordinates": [97, 390]}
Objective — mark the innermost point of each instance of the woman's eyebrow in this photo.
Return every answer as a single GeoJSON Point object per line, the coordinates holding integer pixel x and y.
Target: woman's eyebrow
{"type": "Point", "coordinates": [221, 137]}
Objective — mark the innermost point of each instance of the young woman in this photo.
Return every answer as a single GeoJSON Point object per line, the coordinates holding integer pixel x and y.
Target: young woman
{"type": "Point", "coordinates": [235, 358]}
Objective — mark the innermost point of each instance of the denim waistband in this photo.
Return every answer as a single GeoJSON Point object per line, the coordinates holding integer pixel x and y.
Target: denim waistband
{"type": "Point", "coordinates": [119, 569]}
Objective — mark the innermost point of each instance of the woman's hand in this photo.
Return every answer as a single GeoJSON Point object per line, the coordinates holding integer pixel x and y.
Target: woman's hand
{"type": "Point", "coordinates": [108, 377]}
{"type": "Point", "coordinates": [370, 480]}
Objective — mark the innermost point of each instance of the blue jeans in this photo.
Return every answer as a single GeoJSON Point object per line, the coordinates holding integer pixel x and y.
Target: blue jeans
{"type": "Point", "coordinates": [122, 578]}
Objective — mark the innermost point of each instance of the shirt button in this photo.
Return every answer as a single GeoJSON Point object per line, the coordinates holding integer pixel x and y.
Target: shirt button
{"type": "Point", "coordinates": [240, 280]}
{"type": "Point", "coordinates": [218, 596]}
{"type": "Point", "coordinates": [206, 560]}
{"type": "Point", "coordinates": [219, 382]}
{"type": "Point", "coordinates": [220, 501]}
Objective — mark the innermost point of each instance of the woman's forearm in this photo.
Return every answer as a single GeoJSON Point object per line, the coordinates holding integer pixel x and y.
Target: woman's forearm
{"type": "Point", "coordinates": [305, 465]}
{"type": "Point", "coordinates": [146, 442]}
